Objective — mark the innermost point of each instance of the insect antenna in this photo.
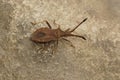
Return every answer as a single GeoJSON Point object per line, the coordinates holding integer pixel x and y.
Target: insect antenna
{"type": "Point", "coordinates": [78, 25]}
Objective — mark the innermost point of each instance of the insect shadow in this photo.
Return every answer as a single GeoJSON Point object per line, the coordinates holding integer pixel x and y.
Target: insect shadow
{"type": "Point", "coordinates": [47, 35]}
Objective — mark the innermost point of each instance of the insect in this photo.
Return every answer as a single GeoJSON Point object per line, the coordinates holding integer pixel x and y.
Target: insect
{"type": "Point", "coordinates": [47, 34]}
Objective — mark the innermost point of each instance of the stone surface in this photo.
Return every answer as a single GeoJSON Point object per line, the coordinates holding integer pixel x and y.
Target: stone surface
{"type": "Point", "coordinates": [97, 58]}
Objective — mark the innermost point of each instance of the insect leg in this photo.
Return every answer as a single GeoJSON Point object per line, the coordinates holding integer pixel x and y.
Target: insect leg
{"type": "Point", "coordinates": [69, 42]}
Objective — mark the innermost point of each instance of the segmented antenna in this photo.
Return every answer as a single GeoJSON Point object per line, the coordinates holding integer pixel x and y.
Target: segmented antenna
{"type": "Point", "coordinates": [78, 25]}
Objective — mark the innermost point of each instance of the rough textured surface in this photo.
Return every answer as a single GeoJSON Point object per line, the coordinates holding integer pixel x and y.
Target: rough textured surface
{"type": "Point", "coordinates": [98, 58]}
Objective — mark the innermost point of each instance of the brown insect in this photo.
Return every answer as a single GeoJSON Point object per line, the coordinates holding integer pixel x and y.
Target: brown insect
{"type": "Point", "coordinates": [47, 34]}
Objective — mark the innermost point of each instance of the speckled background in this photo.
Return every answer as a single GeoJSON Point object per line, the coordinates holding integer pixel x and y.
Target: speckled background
{"type": "Point", "coordinates": [97, 58]}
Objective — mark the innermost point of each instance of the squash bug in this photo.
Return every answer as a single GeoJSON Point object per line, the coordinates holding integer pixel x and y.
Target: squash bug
{"type": "Point", "coordinates": [47, 34]}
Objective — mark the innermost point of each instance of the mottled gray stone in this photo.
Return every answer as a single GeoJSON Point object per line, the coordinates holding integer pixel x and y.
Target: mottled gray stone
{"type": "Point", "coordinates": [97, 58]}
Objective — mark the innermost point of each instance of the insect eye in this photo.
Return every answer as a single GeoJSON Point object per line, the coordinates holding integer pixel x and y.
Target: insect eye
{"type": "Point", "coordinates": [41, 34]}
